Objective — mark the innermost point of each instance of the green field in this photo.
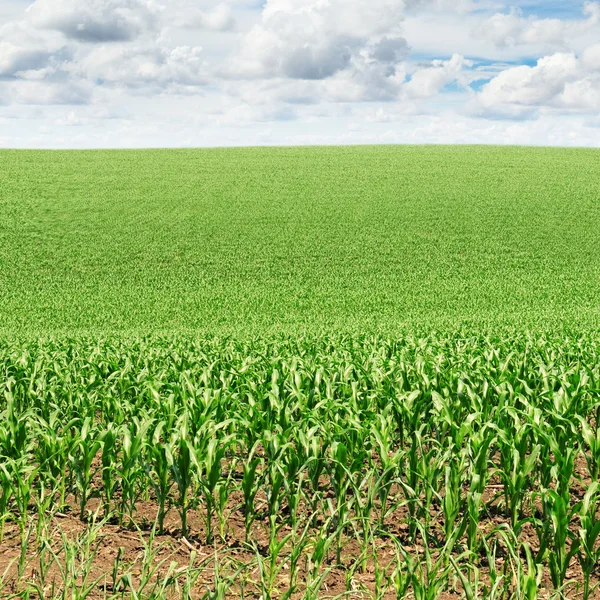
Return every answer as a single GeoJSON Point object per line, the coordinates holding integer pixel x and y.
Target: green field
{"type": "Point", "coordinates": [256, 241]}
{"type": "Point", "coordinates": [300, 373]}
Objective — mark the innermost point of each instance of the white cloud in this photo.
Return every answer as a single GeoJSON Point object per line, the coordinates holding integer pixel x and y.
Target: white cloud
{"type": "Point", "coordinates": [147, 66]}
{"type": "Point", "coordinates": [218, 18]}
{"type": "Point", "coordinates": [513, 29]}
{"type": "Point", "coordinates": [95, 20]}
{"type": "Point", "coordinates": [49, 57]}
{"type": "Point", "coordinates": [315, 39]}
{"type": "Point", "coordinates": [561, 81]}
{"type": "Point", "coordinates": [207, 72]}
{"type": "Point", "coordinates": [430, 80]}
{"type": "Point", "coordinates": [22, 48]}
{"type": "Point", "coordinates": [591, 58]}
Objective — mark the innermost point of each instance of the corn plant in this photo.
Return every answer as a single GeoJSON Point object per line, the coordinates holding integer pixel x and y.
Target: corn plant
{"type": "Point", "coordinates": [527, 578]}
{"type": "Point", "coordinates": [251, 481]}
{"type": "Point", "coordinates": [84, 454]}
{"type": "Point", "coordinates": [429, 575]}
{"type": "Point", "coordinates": [6, 491]}
{"type": "Point", "coordinates": [342, 451]}
{"type": "Point", "coordinates": [591, 439]}
{"type": "Point", "coordinates": [556, 539]}
{"type": "Point", "coordinates": [133, 441]}
{"type": "Point", "coordinates": [588, 549]}
{"type": "Point", "coordinates": [158, 471]}
{"type": "Point", "coordinates": [181, 458]}
{"type": "Point", "coordinates": [108, 442]}
{"type": "Point", "coordinates": [211, 466]}
{"type": "Point", "coordinates": [518, 462]}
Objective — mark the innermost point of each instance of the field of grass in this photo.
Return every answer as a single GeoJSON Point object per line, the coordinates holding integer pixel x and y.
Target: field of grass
{"type": "Point", "coordinates": [300, 373]}
{"type": "Point", "coordinates": [257, 241]}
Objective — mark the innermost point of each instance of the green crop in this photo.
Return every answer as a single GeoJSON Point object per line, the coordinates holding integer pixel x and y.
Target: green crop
{"type": "Point", "coordinates": [258, 241]}
{"type": "Point", "coordinates": [299, 373]}
{"type": "Point", "coordinates": [443, 453]}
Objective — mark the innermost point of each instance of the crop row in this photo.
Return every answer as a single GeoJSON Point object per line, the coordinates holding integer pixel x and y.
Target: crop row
{"type": "Point", "coordinates": [464, 446]}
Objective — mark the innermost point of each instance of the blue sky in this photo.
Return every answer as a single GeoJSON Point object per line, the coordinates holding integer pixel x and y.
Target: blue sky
{"type": "Point", "coordinates": [147, 73]}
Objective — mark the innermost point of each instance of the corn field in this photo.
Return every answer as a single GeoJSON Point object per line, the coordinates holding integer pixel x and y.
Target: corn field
{"type": "Point", "coordinates": [426, 468]}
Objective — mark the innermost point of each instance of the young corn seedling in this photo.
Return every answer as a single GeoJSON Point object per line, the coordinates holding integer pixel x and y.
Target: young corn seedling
{"type": "Point", "coordinates": [402, 574]}
{"type": "Point", "coordinates": [76, 562]}
{"type": "Point", "coordinates": [5, 580]}
{"type": "Point", "coordinates": [52, 452]}
{"type": "Point", "coordinates": [25, 541]}
{"type": "Point", "coordinates": [295, 488]}
{"type": "Point", "coordinates": [158, 472]}
{"type": "Point", "coordinates": [497, 587]}
{"type": "Point", "coordinates": [84, 454]}
{"type": "Point", "coordinates": [108, 441]}
{"type": "Point", "coordinates": [14, 440]}
{"type": "Point", "coordinates": [212, 466]}
{"type": "Point", "coordinates": [316, 552]}
{"type": "Point", "coordinates": [148, 584]}
{"type": "Point", "coordinates": [24, 477]}
{"type": "Point", "coordinates": [39, 583]}
{"type": "Point", "coordinates": [412, 485]}
{"type": "Point", "coordinates": [473, 584]}
{"type": "Point", "coordinates": [561, 543]}
{"type": "Point", "coordinates": [292, 561]}
{"type": "Point", "coordinates": [182, 461]}
{"type": "Point", "coordinates": [270, 568]}
{"type": "Point", "coordinates": [391, 463]}
{"type": "Point", "coordinates": [222, 493]}
{"type": "Point", "coordinates": [591, 439]}
{"type": "Point", "coordinates": [383, 574]}
{"type": "Point", "coordinates": [191, 575]}
{"type": "Point", "coordinates": [44, 510]}
{"type": "Point", "coordinates": [314, 447]}
{"type": "Point", "coordinates": [274, 489]}
{"type": "Point", "coordinates": [134, 439]}
{"type": "Point", "coordinates": [251, 482]}
{"type": "Point", "coordinates": [527, 581]}
{"type": "Point", "coordinates": [589, 538]}
{"type": "Point", "coordinates": [518, 461]}
{"type": "Point", "coordinates": [429, 577]}
{"type": "Point", "coordinates": [116, 582]}
{"type": "Point", "coordinates": [363, 526]}
{"type": "Point", "coordinates": [221, 583]}
{"type": "Point", "coordinates": [430, 464]}
{"type": "Point", "coordinates": [342, 472]}
{"type": "Point", "coordinates": [6, 493]}
{"type": "Point", "coordinates": [452, 501]}
{"type": "Point", "coordinates": [480, 473]}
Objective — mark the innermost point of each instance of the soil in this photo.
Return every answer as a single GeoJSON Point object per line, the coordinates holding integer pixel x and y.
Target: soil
{"type": "Point", "coordinates": [230, 563]}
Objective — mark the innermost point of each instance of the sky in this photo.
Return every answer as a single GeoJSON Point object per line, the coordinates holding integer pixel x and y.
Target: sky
{"type": "Point", "coordinates": [196, 73]}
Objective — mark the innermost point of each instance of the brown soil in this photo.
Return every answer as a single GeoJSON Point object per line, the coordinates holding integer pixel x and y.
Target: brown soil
{"type": "Point", "coordinates": [236, 562]}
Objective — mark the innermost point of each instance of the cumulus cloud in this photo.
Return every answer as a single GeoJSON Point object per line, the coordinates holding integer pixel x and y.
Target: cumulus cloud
{"type": "Point", "coordinates": [146, 66]}
{"type": "Point", "coordinates": [67, 51]}
{"type": "Point", "coordinates": [95, 20]}
{"type": "Point", "coordinates": [562, 81]}
{"type": "Point", "coordinates": [513, 29]}
{"type": "Point", "coordinates": [219, 18]}
{"type": "Point", "coordinates": [297, 63]}
{"type": "Point", "coordinates": [389, 50]}
{"type": "Point", "coordinates": [364, 82]}
{"type": "Point", "coordinates": [312, 39]}
{"type": "Point", "coordinates": [430, 80]}
{"type": "Point", "coordinates": [23, 48]}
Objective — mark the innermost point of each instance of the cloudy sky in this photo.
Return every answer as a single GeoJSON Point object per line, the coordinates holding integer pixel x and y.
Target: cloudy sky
{"type": "Point", "coordinates": [139, 73]}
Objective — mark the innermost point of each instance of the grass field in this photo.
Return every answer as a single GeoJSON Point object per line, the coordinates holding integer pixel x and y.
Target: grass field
{"type": "Point", "coordinates": [256, 241]}
{"type": "Point", "coordinates": [362, 372]}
